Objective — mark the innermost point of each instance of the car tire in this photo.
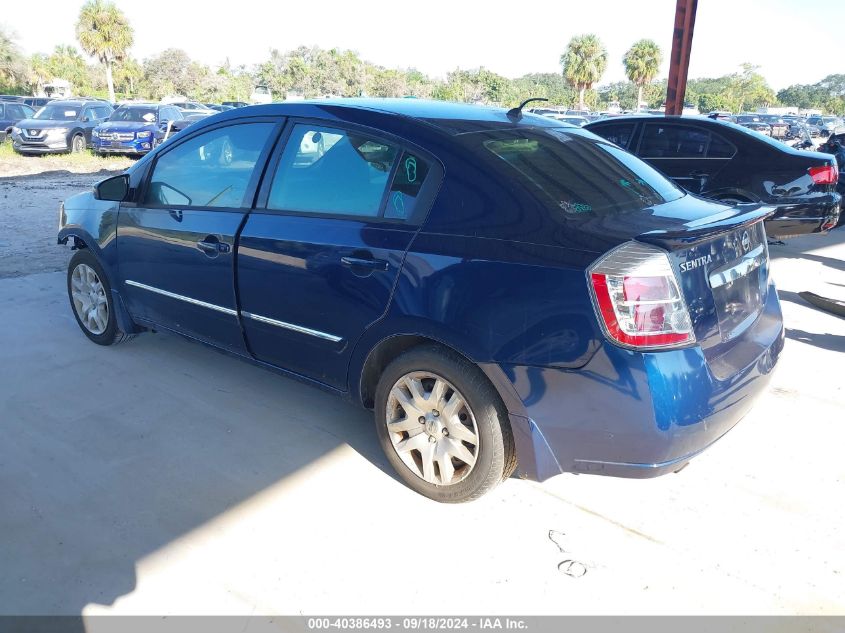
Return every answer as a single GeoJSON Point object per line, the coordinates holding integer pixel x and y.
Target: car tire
{"type": "Point", "coordinates": [450, 458]}
{"type": "Point", "coordinates": [91, 302]}
{"type": "Point", "coordinates": [77, 143]}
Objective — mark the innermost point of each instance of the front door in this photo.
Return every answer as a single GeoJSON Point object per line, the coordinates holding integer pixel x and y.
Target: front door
{"type": "Point", "coordinates": [176, 245]}
{"type": "Point", "coordinates": [317, 264]}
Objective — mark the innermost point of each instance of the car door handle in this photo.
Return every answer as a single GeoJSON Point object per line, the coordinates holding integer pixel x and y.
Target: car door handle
{"type": "Point", "coordinates": [360, 262]}
{"type": "Point", "coordinates": [212, 247]}
{"type": "Point", "coordinates": [698, 174]}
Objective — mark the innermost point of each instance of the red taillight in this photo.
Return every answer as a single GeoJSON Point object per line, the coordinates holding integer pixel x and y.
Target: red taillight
{"type": "Point", "coordinates": [825, 174]}
{"type": "Point", "coordinates": [638, 299]}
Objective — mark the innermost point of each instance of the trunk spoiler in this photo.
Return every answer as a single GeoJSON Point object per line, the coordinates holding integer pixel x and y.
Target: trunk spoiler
{"type": "Point", "coordinates": [708, 227]}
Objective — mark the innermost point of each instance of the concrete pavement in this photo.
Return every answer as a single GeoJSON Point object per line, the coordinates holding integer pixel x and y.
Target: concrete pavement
{"type": "Point", "coordinates": [163, 477]}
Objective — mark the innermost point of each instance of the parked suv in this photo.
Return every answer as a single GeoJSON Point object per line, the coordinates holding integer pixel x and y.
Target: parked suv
{"type": "Point", "coordinates": [729, 163]}
{"type": "Point", "coordinates": [135, 128]}
{"type": "Point", "coordinates": [60, 126]}
{"type": "Point", "coordinates": [10, 114]}
{"type": "Point", "coordinates": [504, 291]}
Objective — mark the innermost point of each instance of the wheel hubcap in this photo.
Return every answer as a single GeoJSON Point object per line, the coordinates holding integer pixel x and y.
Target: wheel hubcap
{"type": "Point", "coordinates": [432, 428]}
{"type": "Point", "coordinates": [89, 299]}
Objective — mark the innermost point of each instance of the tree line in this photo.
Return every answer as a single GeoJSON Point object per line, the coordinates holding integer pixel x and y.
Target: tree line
{"type": "Point", "coordinates": [104, 33]}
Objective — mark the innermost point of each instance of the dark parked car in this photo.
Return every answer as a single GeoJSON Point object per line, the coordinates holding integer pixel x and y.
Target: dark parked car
{"type": "Point", "coordinates": [11, 113]}
{"type": "Point", "coordinates": [236, 104]}
{"type": "Point", "coordinates": [60, 126]}
{"type": "Point", "coordinates": [778, 128]}
{"type": "Point", "coordinates": [218, 107]}
{"type": "Point", "coordinates": [135, 128]}
{"type": "Point", "coordinates": [835, 145]}
{"type": "Point", "coordinates": [13, 98]}
{"type": "Point", "coordinates": [505, 292]}
{"type": "Point", "coordinates": [754, 122]}
{"type": "Point", "coordinates": [729, 163]}
{"type": "Point", "coordinates": [37, 102]}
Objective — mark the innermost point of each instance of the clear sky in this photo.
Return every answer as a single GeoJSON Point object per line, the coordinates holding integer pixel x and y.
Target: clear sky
{"type": "Point", "coordinates": [792, 41]}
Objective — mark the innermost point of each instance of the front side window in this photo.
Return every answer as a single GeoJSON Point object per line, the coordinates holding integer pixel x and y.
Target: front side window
{"type": "Point", "coordinates": [210, 170]}
{"type": "Point", "coordinates": [720, 148]}
{"type": "Point", "coordinates": [327, 170]}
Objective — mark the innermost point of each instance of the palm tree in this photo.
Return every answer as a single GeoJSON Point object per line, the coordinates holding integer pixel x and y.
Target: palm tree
{"type": "Point", "coordinates": [104, 32]}
{"type": "Point", "coordinates": [642, 63]}
{"type": "Point", "coordinates": [12, 65]}
{"type": "Point", "coordinates": [39, 73]}
{"type": "Point", "coordinates": [584, 62]}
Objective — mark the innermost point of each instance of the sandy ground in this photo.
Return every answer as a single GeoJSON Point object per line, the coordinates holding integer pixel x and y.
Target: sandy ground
{"type": "Point", "coordinates": [29, 219]}
{"type": "Point", "coordinates": [162, 477]}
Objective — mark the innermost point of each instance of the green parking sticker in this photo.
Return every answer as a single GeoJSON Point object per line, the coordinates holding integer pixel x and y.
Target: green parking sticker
{"type": "Point", "coordinates": [398, 204]}
{"type": "Point", "coordinates": [411, 169]}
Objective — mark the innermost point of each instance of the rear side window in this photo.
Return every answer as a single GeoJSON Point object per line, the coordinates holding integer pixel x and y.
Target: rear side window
{"type": "Point", "coordinates": [619, 133]}
{"type": "Point", "coordinates": [332, 171]}
{"type": "Point", "coordinates": [212, 169]}
{"type": "Point", "coordinates": [574, 173]}
{"type": "Point", "coordinates": [405, 190]}
{"type": "Point", "coordinates": [720, 148]}
{"type": "Point", "coordinates": [673, 141]}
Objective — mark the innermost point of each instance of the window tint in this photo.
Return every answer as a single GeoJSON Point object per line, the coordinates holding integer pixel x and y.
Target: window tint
{"type": "Point", "coordinates": [210, 170]}
{"type": "Point", "coordinates": [103, 112]}
{"type": "Point", "coordinates": [572, 172]}
{"type": "Point", "coordinates": [326, 170]}
{"type": "Point", "coordinates": [619, 133]}
{"type": "Point", "coordinates": [407, 182]}
{"type": "Point", "coordinates": [14, 111]}
{"type": "Point", "coordinates": [719, 147]}
{"type": "Point", "coordinates": [672, 141]}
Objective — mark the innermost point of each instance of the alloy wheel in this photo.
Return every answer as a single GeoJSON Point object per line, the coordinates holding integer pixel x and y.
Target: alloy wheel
{"type": "Point", "coordinates": [89, 299]}
{"type": "Point", "coordinates": [432, 428]}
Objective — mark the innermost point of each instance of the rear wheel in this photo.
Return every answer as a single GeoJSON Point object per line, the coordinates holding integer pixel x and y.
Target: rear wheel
{"type": "Point", "coordinates": [443, 426]}
{"type": "Point", "coordinates": [77, 144]}
{"type": "Point", "coordinates": [90, 298]}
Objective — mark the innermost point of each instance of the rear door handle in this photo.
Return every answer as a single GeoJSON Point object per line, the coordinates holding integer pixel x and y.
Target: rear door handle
{"type": "Point", "coordinates": [212, 247]}
{"type": "Point", "coordinates": [360, 262]}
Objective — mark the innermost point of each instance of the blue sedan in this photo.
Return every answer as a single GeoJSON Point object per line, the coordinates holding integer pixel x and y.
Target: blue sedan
{"type": "Point", "coordinates": [507, 293]}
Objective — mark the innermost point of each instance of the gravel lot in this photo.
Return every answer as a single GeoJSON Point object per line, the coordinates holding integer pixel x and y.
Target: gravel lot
{"type": "Point", "coordinates": [162, 477]}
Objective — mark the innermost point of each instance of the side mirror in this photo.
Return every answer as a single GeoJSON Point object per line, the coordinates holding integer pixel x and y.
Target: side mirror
{"type": "Point", "coordinates": [114, 189]}
{"type": "Point", "coordinates": [86, 119]}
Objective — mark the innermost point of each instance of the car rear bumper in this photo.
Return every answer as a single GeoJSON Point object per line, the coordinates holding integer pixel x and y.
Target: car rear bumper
{"type": "Point", "coordinates": [639, 415]}
{"type": "Point", "coordinates": [801, 218]}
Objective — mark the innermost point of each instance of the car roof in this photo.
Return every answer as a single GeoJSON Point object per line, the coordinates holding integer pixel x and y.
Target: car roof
{"type": "Point", "coordinates": [76, 102]}
{"type": "Point", "coordinates": [448, 117]}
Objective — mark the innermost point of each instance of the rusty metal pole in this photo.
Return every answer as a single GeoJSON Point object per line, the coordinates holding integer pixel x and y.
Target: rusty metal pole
{"type": "Point", "coordinates": [679, 61]}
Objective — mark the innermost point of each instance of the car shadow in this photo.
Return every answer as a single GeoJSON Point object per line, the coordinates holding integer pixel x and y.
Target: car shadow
{"type": "Point", "coordinates": [797, 248]}
{"type": "Point", "coordinates": [110, 454]}
{"type": "Point", "coordinates": [832, 342]}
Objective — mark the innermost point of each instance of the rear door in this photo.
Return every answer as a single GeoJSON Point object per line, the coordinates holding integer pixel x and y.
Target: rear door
{"type": "Point", "coordinates": [684, 153]}
{"type": "Point", "coordinates": [176, 244]}
{"type": "Point", "coordinates": [318, 258]}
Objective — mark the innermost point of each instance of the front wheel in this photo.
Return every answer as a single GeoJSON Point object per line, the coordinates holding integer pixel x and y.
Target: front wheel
{"type": "Point", "coordinates": [77, 144]}
{"type": "Point", "coordinates": [91, 300]}
{"type": "Point", "coordinates": [443, 426]}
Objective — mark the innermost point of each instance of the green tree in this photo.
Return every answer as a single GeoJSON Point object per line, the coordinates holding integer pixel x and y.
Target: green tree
{"type": "Point", "coordinates": [128, 75]}
{"type": "Point", "coordinates": [642, 63]}
{"type": "Point", "coordinates": [38, 72]}
{"type": "Point", "coordinates": [12, 63]}
{"type": "Point", "coordinates": [104, 32]}
{"type": "Point", "coordinates": [583, 63]}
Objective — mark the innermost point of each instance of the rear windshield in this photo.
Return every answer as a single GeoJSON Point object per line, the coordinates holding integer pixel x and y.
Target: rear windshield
{"type": "Point", "coordinates": [134, 115]}
{"type": "Point", "coordinates": [574, 171]}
